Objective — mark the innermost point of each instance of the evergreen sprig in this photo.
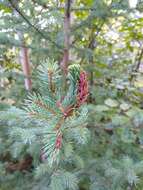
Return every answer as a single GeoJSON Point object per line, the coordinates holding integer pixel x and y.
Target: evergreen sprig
{"type": "Point", "coordinates": [54, 116]}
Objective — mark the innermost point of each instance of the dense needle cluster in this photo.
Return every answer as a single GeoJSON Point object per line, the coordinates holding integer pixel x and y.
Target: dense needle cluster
{"type": "Point", "coordinates": [82, 95]}
{"type": "Point", "coordinates": [56, 115]}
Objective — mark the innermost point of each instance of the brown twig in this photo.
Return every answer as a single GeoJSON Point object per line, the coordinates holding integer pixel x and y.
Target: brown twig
{"type": "Point", "coordinates": [139, 60]}
{"type": "Point", "coordinates": [65, 61]}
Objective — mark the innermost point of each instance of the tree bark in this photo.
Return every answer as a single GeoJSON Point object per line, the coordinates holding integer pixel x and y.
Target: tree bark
{"type": "Point", "coordinates": [67, 20]}
{"type": "Point", "coordinates": [24, 60]}
{"type": "Point", "coordinates": [23, 56]}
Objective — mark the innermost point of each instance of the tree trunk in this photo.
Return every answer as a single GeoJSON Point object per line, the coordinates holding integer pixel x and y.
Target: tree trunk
{"type": "Point", "coordinates": [23, 57]}
{"type": "Point", "coordinates": [24, 60]}
{"type": "Point", "coordinates": [65, 60]}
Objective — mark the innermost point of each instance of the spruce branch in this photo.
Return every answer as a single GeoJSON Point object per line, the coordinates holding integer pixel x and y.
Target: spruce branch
{"type": "Point", "coordinates": [33, 26]}
{"type": "Point", "coordinates": [49, 118]}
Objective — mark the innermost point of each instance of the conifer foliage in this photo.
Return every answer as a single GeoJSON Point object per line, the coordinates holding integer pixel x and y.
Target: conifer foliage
{"type": "Point", "coordinates": [54, 119]}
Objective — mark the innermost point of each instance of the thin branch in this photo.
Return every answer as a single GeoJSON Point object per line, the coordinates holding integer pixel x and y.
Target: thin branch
{"type": "Point", "coordinates": [96, 35]}
{"type": "Point", "coordinates": [19, 45]}
{"type": "Point", "coordinates": [33, 26]}
{"type": "Point", "coordinates": [139, 60]}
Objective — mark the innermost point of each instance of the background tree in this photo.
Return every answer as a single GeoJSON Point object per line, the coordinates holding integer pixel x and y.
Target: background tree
{"type": "Point", "coordinates": [105, 38]}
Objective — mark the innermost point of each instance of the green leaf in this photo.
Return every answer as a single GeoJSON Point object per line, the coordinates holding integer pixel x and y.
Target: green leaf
{"type": "Point", "coordinates": [127, 135]}
{"type": "Point", "coordinates": [101, 108]}
{"type": "Point", "coordinates": [138, 119]}
{"type": "Point", "coordinates": [119, 120]}
{"type": "Point", "coordinates": [125, 106]}
{"type": "Point", "coordinates": [5, 8]}
{"type": "Point", "coordinates": [111, 103]}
